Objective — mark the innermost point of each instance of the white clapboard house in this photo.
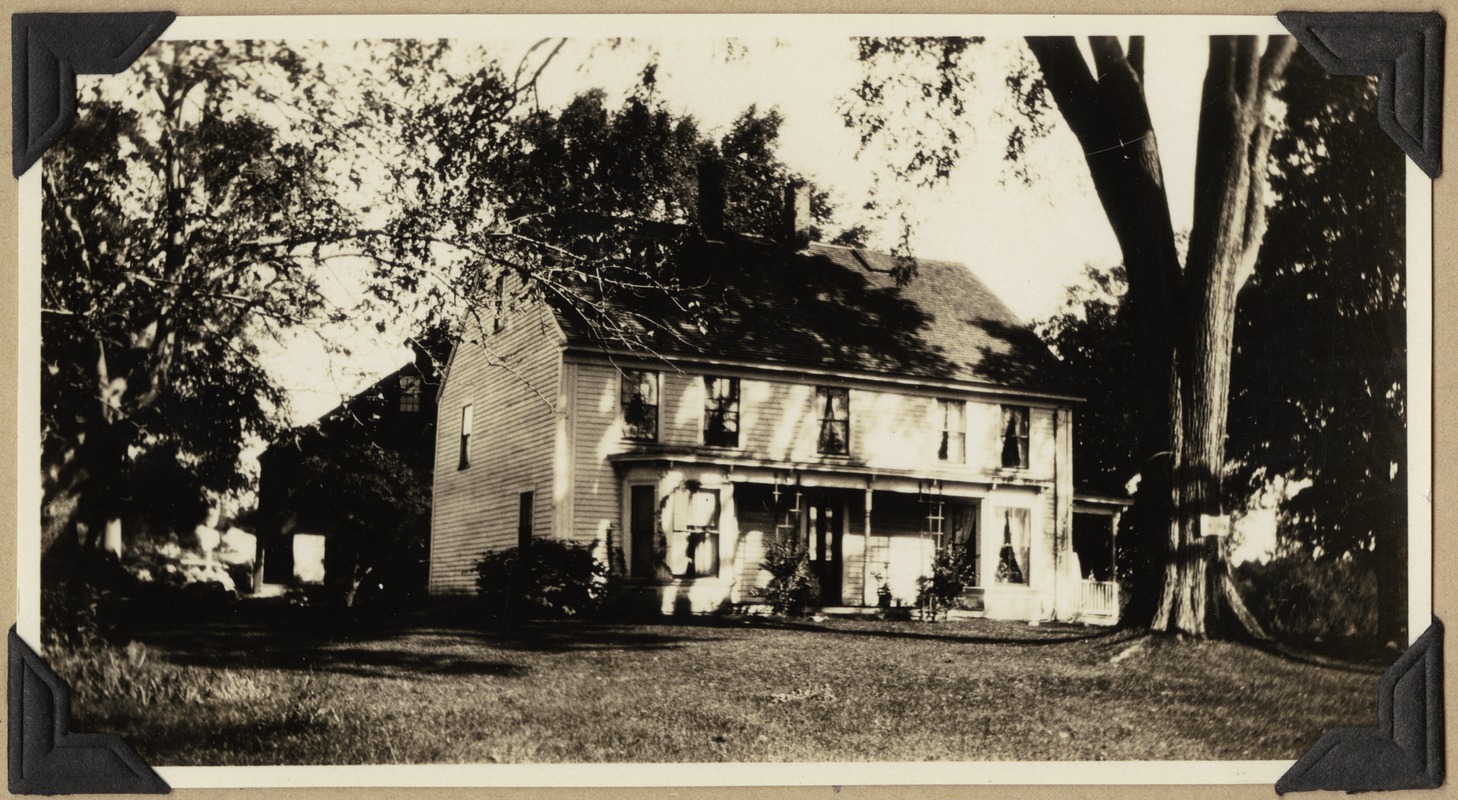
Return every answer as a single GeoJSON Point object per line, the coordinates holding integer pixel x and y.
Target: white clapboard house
{"type": "Point", "coordinates": [875, 422]}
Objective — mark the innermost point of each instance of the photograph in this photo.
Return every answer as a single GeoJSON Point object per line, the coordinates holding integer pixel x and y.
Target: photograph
{"type": "Point", "coordinates": [725, 392]}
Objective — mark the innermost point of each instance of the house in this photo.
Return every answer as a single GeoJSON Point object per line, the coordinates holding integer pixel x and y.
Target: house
{"type": "Point", "coordinates": [296, 519]}
{"type": "Point", "coordinates": [875, 422]}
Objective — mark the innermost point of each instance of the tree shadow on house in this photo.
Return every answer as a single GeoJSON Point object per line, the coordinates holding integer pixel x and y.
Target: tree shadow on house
{"type": "Point", "coordinates": [1013, 355]}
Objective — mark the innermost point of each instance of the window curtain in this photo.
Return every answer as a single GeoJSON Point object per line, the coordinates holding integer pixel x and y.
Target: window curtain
{"type": "Point", "coordinates": [1012, 560]}
{"type": "Point", "coordinates": [964, 535]}
{"type": "Point", "coordinates": [1014, 436]}
{"type": "Point", "coordinates": [693, 547]}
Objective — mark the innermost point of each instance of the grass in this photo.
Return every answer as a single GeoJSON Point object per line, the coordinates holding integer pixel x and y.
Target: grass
{"type": "Point", "coordinates": [721, 690]}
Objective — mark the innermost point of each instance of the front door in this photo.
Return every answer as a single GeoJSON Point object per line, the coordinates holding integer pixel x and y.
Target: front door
{"type": "Point", "coordinates": [825, 526]}
{"type": "Point", "coordinates": [642, 530]}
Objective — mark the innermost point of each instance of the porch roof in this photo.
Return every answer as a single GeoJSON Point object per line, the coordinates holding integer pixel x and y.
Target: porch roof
{"type": "Point", "coordinates": [831, 466]}
{"type": "Point", "coordinates": [1088, 502]}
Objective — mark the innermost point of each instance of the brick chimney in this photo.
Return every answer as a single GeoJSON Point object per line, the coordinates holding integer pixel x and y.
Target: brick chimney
{"type": "Point", "coordinates": [796, 220]}
{"type": "Point", "coordinates": [711, 197]}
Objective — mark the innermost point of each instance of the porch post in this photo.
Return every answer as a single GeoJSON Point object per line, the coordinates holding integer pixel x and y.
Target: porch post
{"type": "Point", "coordinates": [866, 548]}
{"type": "Point", "coordinates": [1114, 547]}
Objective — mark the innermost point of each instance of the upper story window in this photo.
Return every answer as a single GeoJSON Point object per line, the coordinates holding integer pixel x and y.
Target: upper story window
{"type": "Point", "coordinates": [833, 405]}
{"type": "Point", "coordinates": [409, 393]}
{"type": "Point", "coordinates": [953, 448]}
{"type": "Point", "coordinates": [721, 412]}
{"type": "Point", "coordinates": [640, 404]}
{"type": "Point", "coordinates": [466, 423]}
{"type": "Point", "coordinates": [1015, 437]}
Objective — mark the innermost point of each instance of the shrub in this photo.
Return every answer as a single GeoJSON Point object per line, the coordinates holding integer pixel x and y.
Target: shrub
{"type": "Point", "coordinates": [1298, 597]}
{"type": "Point", "coordinates": [792, 585]}
{"type": "Point", "coordinates": [555, 579]}
{"type": "Point", "coordinates": [89, 595]}
{"type": "Point", "coordinates": [940, 591]}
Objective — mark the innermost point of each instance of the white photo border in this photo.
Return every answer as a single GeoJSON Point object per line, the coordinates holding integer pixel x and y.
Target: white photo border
{"type": "Point", "coordinates": [1420, 321]}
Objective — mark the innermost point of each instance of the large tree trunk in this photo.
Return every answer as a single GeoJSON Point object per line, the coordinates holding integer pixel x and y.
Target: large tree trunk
{"type": "Point", "coordinates": [1183, 319]}
{"type": "Point", "coordinates": [1111, 120]}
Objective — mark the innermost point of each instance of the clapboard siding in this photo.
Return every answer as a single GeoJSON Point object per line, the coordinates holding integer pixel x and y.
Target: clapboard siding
{"type": "Point", "coordinates": [779, 420]}
{"type": "Point", "coordinates": [596, 435]}
{"type": "Point", "coordinates": [512, 380]}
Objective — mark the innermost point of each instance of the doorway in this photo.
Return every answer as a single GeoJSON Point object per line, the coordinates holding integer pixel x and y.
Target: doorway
{"type": "Point", "coordinates": [825, 530]}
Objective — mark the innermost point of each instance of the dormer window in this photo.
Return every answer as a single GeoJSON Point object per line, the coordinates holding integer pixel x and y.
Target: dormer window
{"type": "Point", "coordinates": [833, 405]}
{"type": "Point", "coordinates": [721, 412]}
{"type": "Point", "coordinates": [953, 448]}
{"type": "Point", "coordinates": [1015, 437]}
{"type": "Point", "coordinates": [640, 405]}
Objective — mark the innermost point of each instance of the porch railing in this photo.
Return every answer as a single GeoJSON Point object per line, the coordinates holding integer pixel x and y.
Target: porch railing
{"type": "Point", "coordinates": [1098, 598]}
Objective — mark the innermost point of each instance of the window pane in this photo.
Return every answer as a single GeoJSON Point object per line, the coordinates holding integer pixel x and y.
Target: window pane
{"type": "Point", "coordinates": [721, 412]}
{"type": "Point", "coordinates": [953, 439]}
{"type": "Point", "coordinates": [1015, 436]}
{"type": "Point", "coordinates": [409, 392]}
{"type": "Point", "coordinates": [704, 509]}
{"type": "Point", "coordinates": [833, 406]}
{"type": "Point", "coordinates": [839, 404]}
{"type": "Point", "coordinates": [1012, 560]}
{"type": "Point", "coordinates": [833, 437]}
{"type": "Point", "coordinates": [640, 404]}
{"type": "Point", "coordinates": [465, 448]}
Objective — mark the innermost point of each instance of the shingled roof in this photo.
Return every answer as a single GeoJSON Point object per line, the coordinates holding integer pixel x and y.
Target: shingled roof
{"type": "Point", "coordinates": [838, 308]}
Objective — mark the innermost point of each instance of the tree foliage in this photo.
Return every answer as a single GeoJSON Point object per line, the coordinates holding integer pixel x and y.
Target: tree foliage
{"type": "Point", "coordinates": [178, 227]}
{"type": "Point", "coordinates": [1318, 396]}
{"type": "Point", "coordinates": [1091, 336]}
{"type": "Point", "coordinates": [586, 202]}
{"type": "Point", "coordinates": [219, 194]}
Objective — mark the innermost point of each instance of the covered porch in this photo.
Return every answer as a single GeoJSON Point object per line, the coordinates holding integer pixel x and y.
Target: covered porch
{"type": "Point", "coordinates": [697, 530]}
{"type": "Point", "coordinates": [1094, 558]}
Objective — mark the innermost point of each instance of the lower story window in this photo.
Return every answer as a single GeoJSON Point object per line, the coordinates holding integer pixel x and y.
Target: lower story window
{"type": "Point", "coordinates": [693, 539]}
{"type": "Point", "coordinates": [962, 525]}
{"type": "Point", "coordinates": [1012, 556]}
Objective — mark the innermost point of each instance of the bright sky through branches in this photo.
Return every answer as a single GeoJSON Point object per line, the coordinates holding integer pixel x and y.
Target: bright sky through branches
{"type": "Point", "coordinates": [1026, 242]}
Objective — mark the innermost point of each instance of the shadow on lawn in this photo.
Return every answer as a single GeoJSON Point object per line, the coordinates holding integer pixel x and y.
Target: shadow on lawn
{"type": "Point", "coordinates": [1065, 635]}
{"type": "Point", "coordinates": [395, 649]}
{"type": "Point", "coordinates": [363, 661]}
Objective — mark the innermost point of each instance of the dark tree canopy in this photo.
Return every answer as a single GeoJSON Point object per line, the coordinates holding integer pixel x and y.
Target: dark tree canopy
{"type": "Point", "coordinates": [177, 227]}
{"type": "Point", "coordinates": [1318, 392]}
{"type": "Point", "coordinates": [1091, 336]}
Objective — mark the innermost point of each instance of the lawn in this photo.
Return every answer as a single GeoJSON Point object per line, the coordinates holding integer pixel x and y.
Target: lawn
{"type": "Point", "coordinates": [716, 689]}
